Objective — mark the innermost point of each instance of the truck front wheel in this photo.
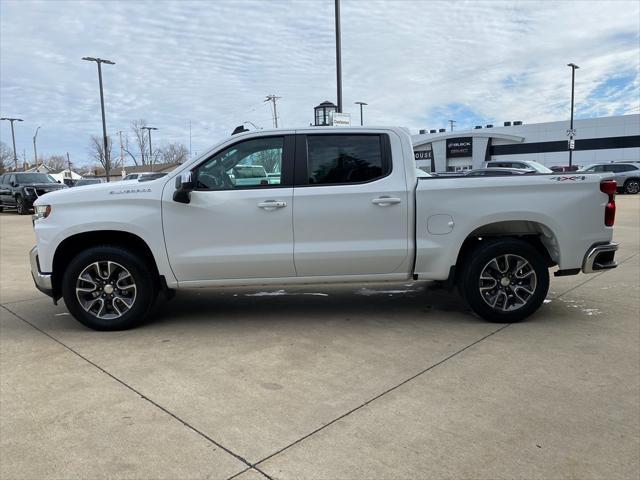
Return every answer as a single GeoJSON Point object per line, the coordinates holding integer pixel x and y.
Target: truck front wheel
{"type": "Point", "coordinates": [505, 280]}
{"type": "Point", "coordinates": [108, 288]}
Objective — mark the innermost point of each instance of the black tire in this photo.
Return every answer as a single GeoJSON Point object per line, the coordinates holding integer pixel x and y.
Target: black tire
{"type": "Point", "coordinates": [509, 253]}
{"type": "Point", "coordinates": [632, 187]}
{"type": "Point", "coordinates": [21, 208]}
{"type": "Point", "coordinates": [144, 291]}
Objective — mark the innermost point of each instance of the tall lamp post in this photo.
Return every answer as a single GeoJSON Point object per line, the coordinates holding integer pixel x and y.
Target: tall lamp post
{"type": "Point", "coordinates": [35, 150]}
{"type": "Point", "coordinates": [361, 105]}
{"type": "Point", "coordinates": [148, 129]}
{"type": "Point", "coordinates": [338, 56]}
{"type": "Point", "coordinates": [13, 137]}
{"type": "Point", "coordinates": [571, 132]}
{"type": "Point", "coordinates": [107, 160]}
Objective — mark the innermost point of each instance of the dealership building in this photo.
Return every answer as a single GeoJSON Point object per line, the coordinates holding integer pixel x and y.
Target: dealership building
{"type": "Point", "coordinates": [604, 139]}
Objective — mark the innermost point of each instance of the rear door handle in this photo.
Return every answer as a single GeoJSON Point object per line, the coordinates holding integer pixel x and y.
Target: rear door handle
{"type": "Point", "coordinates": [272, 204]}
{"type": "Point", "coordinates": [386, 201]}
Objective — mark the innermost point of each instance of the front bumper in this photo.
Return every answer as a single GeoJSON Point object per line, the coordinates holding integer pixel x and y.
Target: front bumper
{"type": "Point", "coordinates": [600, 257]}
{"type": "Point", "coordinates": [42, 280]}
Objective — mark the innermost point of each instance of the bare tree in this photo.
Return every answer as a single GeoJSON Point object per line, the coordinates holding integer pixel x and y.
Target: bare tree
{"type": "Point", "coordinates": [96, 151]}
{"type": "Point", "coordinates": [141, 143]}
{"type": "Point", "coordinates": [6, 156]}
{"type": "Point", "coordinates": [56, 162]}
{"type": "Point", "coordinates": [270, 159]}
{"type": "Point", "coordinates": [173, 153]}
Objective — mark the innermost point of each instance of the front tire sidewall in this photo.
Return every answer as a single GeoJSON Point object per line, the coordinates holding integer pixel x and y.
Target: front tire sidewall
{"type": "Point", "coordinates": [21, 208]}
{"type": "Point", "coordinates": [483, 255]}
{"type": "Point", "coordinates": [632, 187]}
{"type": "Point", "coordinates": [142, 276]}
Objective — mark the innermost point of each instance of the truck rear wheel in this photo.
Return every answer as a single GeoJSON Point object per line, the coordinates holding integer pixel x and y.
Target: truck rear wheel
{"type": "Point", "coordinates": [632, 186]}
{"type": "Point", "coordinates": [505, 280]}
{"type": "Point", "coordinates": [108, 288]}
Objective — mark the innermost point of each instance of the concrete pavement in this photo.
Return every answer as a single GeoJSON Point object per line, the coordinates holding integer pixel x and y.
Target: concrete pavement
{"type": "Point", "coordinates": [324, 382]}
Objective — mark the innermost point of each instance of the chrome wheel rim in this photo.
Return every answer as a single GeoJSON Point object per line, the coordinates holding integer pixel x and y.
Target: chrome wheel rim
{"type": "Point", "coordinates": [19, 206]}
{"type": "Point", "coordinates": [106, 290]}
{"type": "Point", "coordinates": [633, 187]}
{"type": "Point", "coordinates": [507, 283]}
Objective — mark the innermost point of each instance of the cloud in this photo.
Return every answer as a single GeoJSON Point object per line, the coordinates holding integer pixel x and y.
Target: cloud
{"type": "Point", "coordinates": [416, 63]}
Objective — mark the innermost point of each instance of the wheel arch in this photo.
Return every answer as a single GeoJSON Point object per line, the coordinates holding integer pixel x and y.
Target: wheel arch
{"type": "Point", "coordinates": [534, 233]}
{"type": "Point", "coordinates": [73, 244]}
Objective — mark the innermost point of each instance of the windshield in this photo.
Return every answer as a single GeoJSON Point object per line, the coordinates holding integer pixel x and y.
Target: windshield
{"type": "Point", "coordinates": [34, 178]}
{"type": "Point", "coordinates": [538, 167]}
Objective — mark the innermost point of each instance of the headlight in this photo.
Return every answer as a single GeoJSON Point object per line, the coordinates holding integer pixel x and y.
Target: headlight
{"type": "Point", "coordinates": [30, 191]}
{"type": "Point", "coordinates": [41, 211]}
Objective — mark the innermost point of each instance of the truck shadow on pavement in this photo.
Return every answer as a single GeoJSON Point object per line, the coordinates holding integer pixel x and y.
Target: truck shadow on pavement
{"type": "Point", "coordinates": [387, 302]}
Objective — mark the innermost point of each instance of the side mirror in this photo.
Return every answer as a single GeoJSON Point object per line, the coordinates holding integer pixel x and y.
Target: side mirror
{"type": "Point", "coordinates": [13, 183]}
{"type": "Point", "coordinates": [184, 185]}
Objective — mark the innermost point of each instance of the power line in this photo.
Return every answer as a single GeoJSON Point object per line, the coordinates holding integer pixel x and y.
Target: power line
{"type": "Point", "coordinates": [273, 99]}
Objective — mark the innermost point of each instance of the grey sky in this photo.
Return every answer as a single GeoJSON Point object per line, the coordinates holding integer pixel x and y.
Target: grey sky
{"type": "Point", "coordinates": [417, 63]}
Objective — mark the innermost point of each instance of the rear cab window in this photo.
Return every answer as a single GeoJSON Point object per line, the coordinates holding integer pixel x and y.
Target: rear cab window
{"type": "Point", "coordinates": [343, 159]}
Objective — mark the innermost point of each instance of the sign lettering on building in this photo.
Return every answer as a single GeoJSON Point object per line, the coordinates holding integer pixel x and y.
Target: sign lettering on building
{"type": "Point", "coordinates": [459, 147]}
{"type": "Point", "coordinates": [423, 155]}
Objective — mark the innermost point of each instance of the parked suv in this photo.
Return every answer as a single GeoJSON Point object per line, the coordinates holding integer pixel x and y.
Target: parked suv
{"type": "Point", "coordinates": [20, 190]}
{"type": "Point", "coordinates": [627, 175]}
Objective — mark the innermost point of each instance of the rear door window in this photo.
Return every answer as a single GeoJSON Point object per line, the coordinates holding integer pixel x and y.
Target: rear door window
{"type": "Point", "coordinates": [346, 159]}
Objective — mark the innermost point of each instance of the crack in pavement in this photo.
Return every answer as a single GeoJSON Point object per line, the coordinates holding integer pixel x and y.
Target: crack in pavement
{"type": "Point", "coordinates": [389, 390]}
{"type": "Point", "coordinates": [140, 394]}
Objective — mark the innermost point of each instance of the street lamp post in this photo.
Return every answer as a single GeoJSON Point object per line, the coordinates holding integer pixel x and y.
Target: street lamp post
{"type": "Point", "coordinates": [338, 56]}
{"type": "Point", "coordinates": [35, 150]}
{"type": "Point", "coordinates": [148, 129]}
{"type": "Point", "coordinates": [100, 61]}
{"type": "Point", "coordinates": [13, 137]}
{"type": "Point", "coordinates": [361, 105]}
{"type": "Point", "coordinates": [572, 131]}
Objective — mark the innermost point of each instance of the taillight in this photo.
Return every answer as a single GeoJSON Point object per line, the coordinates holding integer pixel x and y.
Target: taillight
{"type": "Point", "coordinates": [609, 187]}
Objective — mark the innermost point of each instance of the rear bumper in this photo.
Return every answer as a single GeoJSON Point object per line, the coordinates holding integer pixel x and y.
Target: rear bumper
{"type": "Point", "coordinates": [600, 257]}
{"type": "Point", "coordinates": [42, 280]}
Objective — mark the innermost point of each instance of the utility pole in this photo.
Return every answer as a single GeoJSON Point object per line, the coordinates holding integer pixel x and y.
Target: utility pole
{"type": "Point", "coordinates": [148, 129]}
{"type": "Point", "coordinates": [69, 163]}
{"type": "Point", "coordinates": [571, 132]}
{"type": "Point", "coordinates": [35, 150]}
{"type": "Point", "coordinates": [13, 137]}
{"type": "Point", "coordinates": [452, 123]}
{"type": "Point", "coordinates": [107, 160]}
{"type": "Point", "coordinates": [121, 149]}
{"type": "Point", "coordinates": [190, 139]}
{"type": "Point", "coordinates": [361, 105]}
{"type": "Point", "coordinates": [338, 56]}
{"type": "Point", "coordinates": [273, 99]}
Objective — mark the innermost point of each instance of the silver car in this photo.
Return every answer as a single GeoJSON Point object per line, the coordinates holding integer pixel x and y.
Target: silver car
{"type": "Point", "coordinates": [627, 175]}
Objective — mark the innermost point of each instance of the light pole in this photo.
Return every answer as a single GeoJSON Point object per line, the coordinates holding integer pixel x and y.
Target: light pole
{"type": "Point", "coordinates": [100, 61]}
{"type": "Point", "coordinates": [13, 137]}
{"type": "Point", "coordinates": [452, 123]}
{"type": "Point", "coordinates": [35, 150]}
{"type": "Point", "coordinates": [148, 129]}
{"type": "Point", "coordinates": [338, 56]}
{"type": "Point", "coordinates": [571, 132]}
{"type": "Point", "coordinates": [361, 105]}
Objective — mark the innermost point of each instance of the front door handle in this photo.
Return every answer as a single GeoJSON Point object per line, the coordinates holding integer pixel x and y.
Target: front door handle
{"type": "Point", "coordinates": [386, 201]}
{"type": "Point", "coordinates": [272, 204]}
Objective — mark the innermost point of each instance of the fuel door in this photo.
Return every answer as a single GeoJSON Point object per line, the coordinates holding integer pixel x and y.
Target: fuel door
{"type": "Point", "coordinates": [440, 224]}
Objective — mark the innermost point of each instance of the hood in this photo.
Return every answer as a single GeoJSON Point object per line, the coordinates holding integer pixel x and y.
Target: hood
{"type": "Point", "coordinates": [102, 192]}
{"type": "Point", "coordinates": [48, 186]}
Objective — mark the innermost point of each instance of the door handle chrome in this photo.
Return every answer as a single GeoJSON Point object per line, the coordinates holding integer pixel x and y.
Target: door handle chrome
{"type": "Point", "coordinates": [272, 204]}
{"type": "Point", "coordinates": [385, 201]}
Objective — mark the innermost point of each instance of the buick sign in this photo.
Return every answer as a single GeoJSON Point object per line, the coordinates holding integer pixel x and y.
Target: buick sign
{"type": "Point", "coordinates": [459, 147]}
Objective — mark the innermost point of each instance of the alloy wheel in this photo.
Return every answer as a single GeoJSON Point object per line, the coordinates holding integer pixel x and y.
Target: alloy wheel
{"type": "Point", "coordinates": [106, 290]}
{"type": "Point", "coordinates": [633, 187]}
{"type": "Point", "coordinates": [507, 282]}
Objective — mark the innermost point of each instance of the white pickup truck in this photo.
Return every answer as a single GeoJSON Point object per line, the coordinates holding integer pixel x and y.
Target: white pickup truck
{"type": "Point", "coordinates": [338, 205]}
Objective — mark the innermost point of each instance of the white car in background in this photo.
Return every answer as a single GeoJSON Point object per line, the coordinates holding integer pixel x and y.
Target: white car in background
{"type": "Point", "coordinates": [520, 164]}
